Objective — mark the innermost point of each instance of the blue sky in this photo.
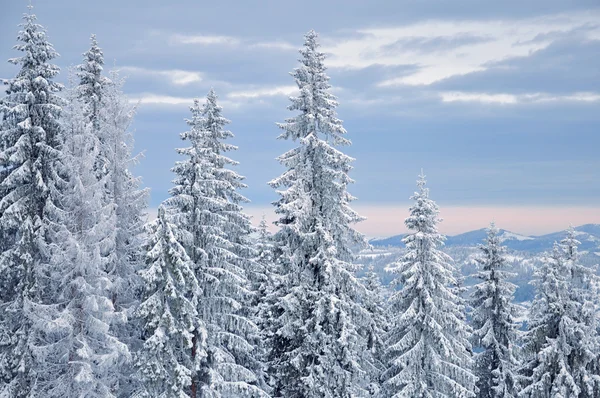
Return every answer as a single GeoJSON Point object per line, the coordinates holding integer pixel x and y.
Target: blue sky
{"type": "Point", "coordinates": [498, 101]}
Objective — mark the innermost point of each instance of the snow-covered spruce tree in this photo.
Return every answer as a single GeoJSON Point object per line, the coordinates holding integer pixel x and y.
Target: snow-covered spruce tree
{"type": "Point", "coordinates": [30, 149]}
{"type": "Point", "coordinates": [585, 281]}
{"type": "Point", "coordinates": [205, 206]}
{"type": "Point", "coordinates": [92, 84]}
{"type": "Point", "coordinates": [374, 302]}
{"type": "Point", "coordinates": [262, 279]}
{"type": "Point", "coordinates": [261, 273]}
{"type": "Point", "coordinates": [110, 113]}
{"type": "Point", "coordinates": [428, 352]}
{"type": "Point", "coordinates": [315, 344]}
{"type": "Point", "coordinates": [108, 110]}
{"type": "Point", "coordinates": [77, 351]}
{"type": "Point", "coordinates": [494, 327]}
{"type": "Point", "coordinates": [124, 194]}
{"type": "Point", "coordinates": [165, 363]}
{"type": "Point", "coordinates": [561, 342]}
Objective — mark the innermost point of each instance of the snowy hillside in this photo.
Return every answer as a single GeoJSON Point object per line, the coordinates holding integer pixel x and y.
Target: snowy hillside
{"type": "Point", "coordinates": [525, 253]}
{"type": "Point", "coordinates": [588, 235]}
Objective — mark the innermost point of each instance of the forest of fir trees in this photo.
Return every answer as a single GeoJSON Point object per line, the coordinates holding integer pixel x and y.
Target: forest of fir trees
{"type": "Point", "coordinates": [95, 301]}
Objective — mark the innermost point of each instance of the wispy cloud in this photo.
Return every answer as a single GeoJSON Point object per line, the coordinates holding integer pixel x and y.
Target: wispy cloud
{"type": "Point", "coordinates": [230, 41]}
{"type": "Point", "coordinates": [158, 99]}
{"type": "Point", "coordinates": [278, 45]}
{"type": "Point", "coordinates": [478, 97]}
{"type": "Point", "coordinates": [488, 98]}
{"type": "Point", "coordinates": [443, 49]}
{"type": "Point", "coordinates": [206, 40]}
{"type": "Point", "coordinates": [264, 92]}
{"type": "Point", "coordinates": [175, 76]}
{"type": "Point", "coordinates": [228, 101]}
{"type": "Point", "coordinates": [229, 98]}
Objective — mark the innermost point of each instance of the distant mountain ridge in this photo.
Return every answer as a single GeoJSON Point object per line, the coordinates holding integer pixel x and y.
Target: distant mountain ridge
{"type": "Point", "coordinates": [588, 235]}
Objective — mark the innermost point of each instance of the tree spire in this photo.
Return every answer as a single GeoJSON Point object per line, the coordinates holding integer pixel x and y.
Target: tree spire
{"type": "Point", "coordinates": [166, 364]}
{"type": "Point", "coordinates": [205, 205]}
{"type": "Point", "coordinates": [30, 142]}
{"type": "Point", "coordinates": [315, 330]}
{"type": "Point", "coordinates": [495, 330]}
{"type": "Point", "coordinates": [561, 343]}
{"type": "Point", "coordinates": [428, 350]}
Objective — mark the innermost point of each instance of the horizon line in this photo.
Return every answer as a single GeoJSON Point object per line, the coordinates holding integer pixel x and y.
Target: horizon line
{"type": "Point", "coordinates": [386, 220]}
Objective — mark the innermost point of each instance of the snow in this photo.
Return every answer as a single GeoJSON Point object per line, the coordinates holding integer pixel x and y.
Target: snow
{"type": "Point", "coordinates": [374, 255]}
{"type": "Point", "coordinates": [320, 334]}
{"type": "Point", "coordinates": [512, 236]}
{"type": "Point", "coordinates": [96, 303]}
{"type": "Point", "coordinates": [427, 309]}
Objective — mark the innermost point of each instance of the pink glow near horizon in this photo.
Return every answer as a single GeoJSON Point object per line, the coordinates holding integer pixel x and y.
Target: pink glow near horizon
{"type": "Point", "coordinates": [387, 220]}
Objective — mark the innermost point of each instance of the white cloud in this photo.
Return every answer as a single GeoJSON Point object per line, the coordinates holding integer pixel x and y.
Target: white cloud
{"type": "Point", "coordinates": [231, 99]}
{"type": "Point", "coordinates": [182, 77]}
{"type": "Point", "coordinates": [584, 97]}
{"type": "Point", "coordinates": [511, 99]}
{"type": "Point", "coordinates": [478, 97]}
{"type": "Point", "coordinates": [263, 92]}
{"type": "Point", "coordinates": [231, 41]}
{"type": "Point", "coordinates": [175, 76]}
{"type": "Point", "coordinates": [157, 99]}
{"type": "Point", "coordinates": [442, 49]}
{"type": "Point", "coordinates": [277, 45]}
{"type": "Point", "coordinates": [205, 40]}
{"type": "Point", "coordinates": [168, 100]}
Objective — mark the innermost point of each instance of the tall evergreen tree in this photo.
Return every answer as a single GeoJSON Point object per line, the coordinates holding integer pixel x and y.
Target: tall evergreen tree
{"type": "Point", "coordinates": [30, 150]}
{"type": "Point", "coordinates": [374, 302]}
{"type": "Point", "coordinates": [78, 352]}
{"type": "Point", "coordinates": [561, 342]}
{"type": "Point", "coordinates": [495, 330]}
{"type": "Point", "coordinates": [206, 207]}
{"type": "Point", "coordinates": [261, 274]}
{"type": "Point", "coordinates": [123, 193]}
{"type": "Point", "coordinates": [262, 280]}
{"type": "Point", "coordinates": [428, 353]}
{"type": "Point", "coordinates": [316, 316]}
{"type": "Point", "coordinates": [165, 363]}
{"type": "Point", "coordinates": [110, 114]}
{"type": "Point", "coordinates": [92, 83]}
{"type": "Point", "coordinates": [586, 283]}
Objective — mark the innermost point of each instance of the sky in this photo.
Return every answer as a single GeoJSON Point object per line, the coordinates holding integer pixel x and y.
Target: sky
{"type": "Point", "coordinates": [498, 102]}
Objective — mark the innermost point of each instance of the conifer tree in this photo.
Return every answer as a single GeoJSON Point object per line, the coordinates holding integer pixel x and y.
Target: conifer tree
{"type": "Point", "coordinates": [561, 342]}
{"type": "Point", "coordinates": [29, 153]}
{"type": "Point", "coordinates": [585, 282]}
{"type": "Point", "coordinates": [495, 330]}
{"type": "Point", "coordinates": [165, 363]}
{"type": "Point", "coordinates": [262, 280]}
{"type": "Point", "coordinates": [110, 114]}
{"type": "Point", "coordinates": [374, 302]}
{"type": "Point", "coordinates": [316, 319]}
{"type": "Point", "coordinates": [78, 352]}
{"type": "Point", "coordinates": [428, 353]}
{"type": "Point", "coordinates": [206, 207]}
{"type": "Point", "coordinates": [261, 274]}
{"type": "Point", "coordinates": [124, 194]}
{"type": "Point", "coordinates": [92, 84]}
